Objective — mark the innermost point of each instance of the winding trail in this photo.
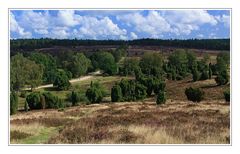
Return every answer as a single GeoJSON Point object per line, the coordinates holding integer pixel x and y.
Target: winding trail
{"type": "Point", "coordinates": [91, 75]}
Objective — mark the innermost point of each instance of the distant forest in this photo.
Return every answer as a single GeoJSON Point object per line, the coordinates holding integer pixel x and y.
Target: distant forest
{"type": "Point", "coordinates": [31, 44]}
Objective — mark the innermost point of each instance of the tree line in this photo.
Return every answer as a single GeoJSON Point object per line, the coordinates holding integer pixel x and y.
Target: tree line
{"type": "Point", "coordinates": [31, 44]}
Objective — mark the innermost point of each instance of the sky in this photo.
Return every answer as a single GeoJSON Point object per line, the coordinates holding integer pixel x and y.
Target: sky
{"type": "Point", "coordinates": [120, 24]}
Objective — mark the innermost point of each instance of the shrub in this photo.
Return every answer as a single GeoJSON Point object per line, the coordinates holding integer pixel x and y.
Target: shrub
{"type": "Point", "coordinates": [159, 86]}
{"type": "Point", "coordinates": [140, 91]}
{"type": "Point", "coordinates": [222, 78]}
{"type": "Point", "coordinates": [95, 93]}
{"type": "Point", "coordinates": [196, 75]}
{"type": "Point", "coordinates": [204, 75]}
{"type": "Point", "coordinates": [161, 98]}
{"type": "Point", "coordinates": [227, 95]}
{"type": "Point", "coordinates": [37, 100]}
{"type": "Point", "coordinates": [116, 93]}
{"type": "Point", "coordinates": [34, 100]}
{"type": "Point", "coordinates": [210, 73]}
{"type": "Point", "coordinates": [13, 103]}
{"type": "Point", "coordinates": [75, 97]}
{"type": "Point", "coordinates": [194, 94]}
{"type": "Point", "coordinates": [53, 102]}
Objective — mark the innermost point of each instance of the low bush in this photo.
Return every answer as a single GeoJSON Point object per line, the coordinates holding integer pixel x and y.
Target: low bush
{"type": "Point", "coordinates": [204, 75]}
{"type": "Point", "coordinates": [140, 91]}
{"type": "Point", "coordinates": [161, 98]}
{"type": "Point", "coordinates": [222, 78]}
{"type": "Point", "coordinates": [227, 95]}
{"type": "Point", "coordinates": [37, 100]}
{"type": "Point", "coordinates": [33, 100]}
{"type": "Point", "coordinates": [159, 86]}
{"type": "Point", "coordinates": [196, 75]}
{"type": "Point", "coordinates": [194, 94]}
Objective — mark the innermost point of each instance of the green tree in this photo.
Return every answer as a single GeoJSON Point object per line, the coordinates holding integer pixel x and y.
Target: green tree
{"type": "Point", "coordinates": [196, 75]}
{"type": "Point", "coordinates": [222, 69]}
{"type": "Point", "coordinates": [140, 91]}
{"type": "Point", "coordinates": [34, 101]}
{"type": "Point", "coordinates": [179, 62]}
{"type": "Point", "coordinates": [130, 65]}
{"type": "Point", "coordinates": [13, 103]}
{"type": "Point", "coordinates": [151, 64]}
{"type": "Point", "coordinates": [61, 81]}
{"type": "Point", "coordinates": [161, 98]}
{"type": "Point", "coordinates": [194, 94]}
{"type": "Point", "coordinates": [104, 61]}
{"type": "Point", "coordinates": [78, 65]}
{"type": "Point", "coordinates": [95, 93]}
{"type": "Point", "coordinates": [48, 63]}
{"type": "Point", "coordinates": [119, 53]}
{"type": "Point", "coordinates": [24, 71]}
{"type": "Point", "coordinates": [191, 60]}
{"type": "Point", "coordinates": [116, 93]}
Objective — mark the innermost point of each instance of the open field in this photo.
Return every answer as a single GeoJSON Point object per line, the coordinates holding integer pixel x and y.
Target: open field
{"type": "Point", "coordinates": [176, 122]}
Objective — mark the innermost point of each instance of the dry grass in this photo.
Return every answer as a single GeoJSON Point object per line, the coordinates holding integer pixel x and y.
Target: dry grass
{"type": "Point", "coordinates": [176, 122]}
{"type": "Point", "coordinates": [176, 89]}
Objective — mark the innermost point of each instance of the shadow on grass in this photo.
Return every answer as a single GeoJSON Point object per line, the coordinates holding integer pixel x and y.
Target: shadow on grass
{"type": "Point", "coordinates": [51, 89]}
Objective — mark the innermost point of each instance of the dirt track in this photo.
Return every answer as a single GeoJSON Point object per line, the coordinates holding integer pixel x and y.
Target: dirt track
{"type": "Point", "coordinates": [71, 81]}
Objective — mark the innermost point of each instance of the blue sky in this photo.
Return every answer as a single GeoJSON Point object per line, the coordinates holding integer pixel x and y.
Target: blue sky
{"type": "Point", "coordinates": [120, 24]}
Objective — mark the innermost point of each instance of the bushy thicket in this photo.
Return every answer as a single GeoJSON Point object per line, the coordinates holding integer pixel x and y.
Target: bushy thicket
{"type": "Point", "coordinates": [13, 103]}
{"type": "Point", "coordinates": [227, 95]}
{"type": "Point", "coordinates": [128, 90]}
{"type": "Point", "coordinates": [194, 94]}
{"type": "Point", "coordinates": [37, 100]}
{"type": "Point", "coordinates": [95, 93]}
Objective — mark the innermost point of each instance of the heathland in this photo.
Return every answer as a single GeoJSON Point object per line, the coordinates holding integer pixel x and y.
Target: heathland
{"type": "Point", "coordinates": [120, 92]}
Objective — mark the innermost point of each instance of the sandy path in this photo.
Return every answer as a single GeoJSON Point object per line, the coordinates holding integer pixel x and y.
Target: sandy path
{"type": "Point", "coordinates": [71, 81]}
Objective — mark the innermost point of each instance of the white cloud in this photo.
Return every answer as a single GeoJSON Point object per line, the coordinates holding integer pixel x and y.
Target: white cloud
{"type": "Point", "coordinates": [59, 33]}
{"type": "Point", "coordinates": [152, 24]}
{"type": "Point", "coordinates": [67, 18]}
{"type": "Point", "coordinates": [98, 24]}
{"type": "Point", "coordinates": [186, 21]}
{"type": "Point", "coordinates": [96, 28]}
{"type": "Point", "coordinates": [226, 20]}
{"type": "Point", "coordinates": [16, 28]}
{"type": "Point", "coordinates": [200, 35]}
{"type": "Point", "coordinates": [133, 35]}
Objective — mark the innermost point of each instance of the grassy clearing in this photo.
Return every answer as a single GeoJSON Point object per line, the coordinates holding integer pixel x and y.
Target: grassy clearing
{"type": "Point", "coordinates": [34, 133]}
